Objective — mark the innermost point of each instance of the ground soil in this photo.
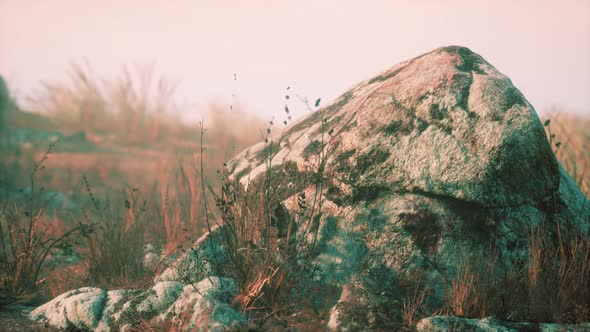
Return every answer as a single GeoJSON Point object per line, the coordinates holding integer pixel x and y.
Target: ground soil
{"type": "Point", "coordinates": [14, 319]}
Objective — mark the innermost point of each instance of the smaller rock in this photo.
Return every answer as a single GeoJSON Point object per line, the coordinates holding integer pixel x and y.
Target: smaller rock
{"type": "Point", "coordinates": [490, 324]}
{"type": "Point", "coordinates": [203, 306]}
{"type": "Point", "coordinates": [81, 308]}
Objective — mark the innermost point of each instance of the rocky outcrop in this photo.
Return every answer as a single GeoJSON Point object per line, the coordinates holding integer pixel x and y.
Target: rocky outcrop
{"type": "Point", "coordinates": [428, 164]}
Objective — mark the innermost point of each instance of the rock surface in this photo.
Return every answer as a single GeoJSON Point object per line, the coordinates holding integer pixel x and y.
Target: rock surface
{"type": "Point", "coordinates": [447, 323]}
{"type": "Point", "coordinates": [195, 264]}
{"type": "Point", "coordinates": [427, 164]}
{"type": "Point", "coordinates": [200, 307]}
{"type": "Point", "coordinates": [446, 123]}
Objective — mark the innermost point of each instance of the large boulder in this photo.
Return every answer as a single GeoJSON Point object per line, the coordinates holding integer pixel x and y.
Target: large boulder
{"type": "Point", "coordinates": [433, 161]}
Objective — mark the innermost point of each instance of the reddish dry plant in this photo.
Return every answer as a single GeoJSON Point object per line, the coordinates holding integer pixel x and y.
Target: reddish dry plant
{"type": "Point", "coordinates": [413, 305]}
{"type": "Point", "coordinates": [559, 275]}
{"type": "Point", "coordinates": [463, 297]}
{"type": "Point", "coordinates": [65, 279]}
{"type": "Point", "coordinates": [554, 286]}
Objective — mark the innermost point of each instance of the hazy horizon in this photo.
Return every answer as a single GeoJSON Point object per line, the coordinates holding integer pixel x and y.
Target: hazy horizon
{"type": "Point", "coordinates": [318, 49]}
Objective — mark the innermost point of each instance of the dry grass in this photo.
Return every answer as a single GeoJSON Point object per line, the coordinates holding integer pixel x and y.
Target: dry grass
{"type": "Point", "coordinates": [61, 280]}
{"type": "Point", "coordinates": [25, 241]}
{"type": "Point", "coordinates": [463, 296]}
{"type": "Point", "coordinates": [174, 323]}
{"type": "Point", "coordinates": [115, 247]}
{"type": "Point", "coordinates": [553, 285]}
{"type": "Point", "coordinates": [136, 107]}
{"type": "Point", "coordinates": [413, 304]}
{"type": "Point", "coordinates": [559, 275]}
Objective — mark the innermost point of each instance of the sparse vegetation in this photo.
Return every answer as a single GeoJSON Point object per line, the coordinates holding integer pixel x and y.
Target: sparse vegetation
{"type": "Point", "coordinates": [551, 286]}
{"type": "Point", "coordinates": [26, 240]}
{"type": "Point", "coordinates": [268, 251]}
{"type": "Point", "coordinates": [116, 244]}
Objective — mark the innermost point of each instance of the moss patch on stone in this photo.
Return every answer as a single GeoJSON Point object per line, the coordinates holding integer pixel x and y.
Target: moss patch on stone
{"type": "Point", "coordinates": [374, 219]}
{"type": "Point", "coordinates": [368, 193]}
{"type": "Point", "coordinates": [334, 194]}
{"type": "Point", "coordinates": [513, 97]}
{"type": "Point", "coordinates": [267, 152]}
{"type": "Point", "coordinates": [470, 61]}
{"type": "Point", "coordinates": [392, 128]}
{"type": "Point", "coordinates": [424, 228]}
{"type": "Point", "coordinates": [243, 172]}
{"type": "Point", "coordinates": [286, 178]}
{"type": "Point", "coordinates": [372, 158]}
{"type": "Point", "coordinates": [312, 149]}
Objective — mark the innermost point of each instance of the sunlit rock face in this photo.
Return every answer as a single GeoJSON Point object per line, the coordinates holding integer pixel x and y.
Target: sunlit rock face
{"type": "Point", "coordinates": [446, 123]}
{"type": "Point", "coordinates": [433, 161]}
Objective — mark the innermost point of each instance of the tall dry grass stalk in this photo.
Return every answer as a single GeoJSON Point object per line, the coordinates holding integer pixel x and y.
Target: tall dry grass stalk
{"type": "Point", "coordinates": [413, 304]}
{"type": "Point", "coordinates": [137, 106]}
{"type": "Point", "coordinates": [116, 245]}
{"type": "Point", "coordinates": [463, 295]}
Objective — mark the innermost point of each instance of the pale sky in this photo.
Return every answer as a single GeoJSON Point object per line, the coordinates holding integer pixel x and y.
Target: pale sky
{"type": "Point", "coordinates": [319, 48]}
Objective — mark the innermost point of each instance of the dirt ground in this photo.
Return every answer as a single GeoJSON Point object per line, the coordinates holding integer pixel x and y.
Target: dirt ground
{"type": "Point", "coordinates": [14, 319]}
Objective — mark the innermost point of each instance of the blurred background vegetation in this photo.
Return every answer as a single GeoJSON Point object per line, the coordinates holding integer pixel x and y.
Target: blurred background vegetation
{"type": "Point", "coordinates": [118, 165]}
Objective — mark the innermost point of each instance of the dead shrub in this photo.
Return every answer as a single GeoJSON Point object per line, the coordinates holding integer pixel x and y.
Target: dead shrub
{"type": "Point", "coordinates": [26, 239]}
